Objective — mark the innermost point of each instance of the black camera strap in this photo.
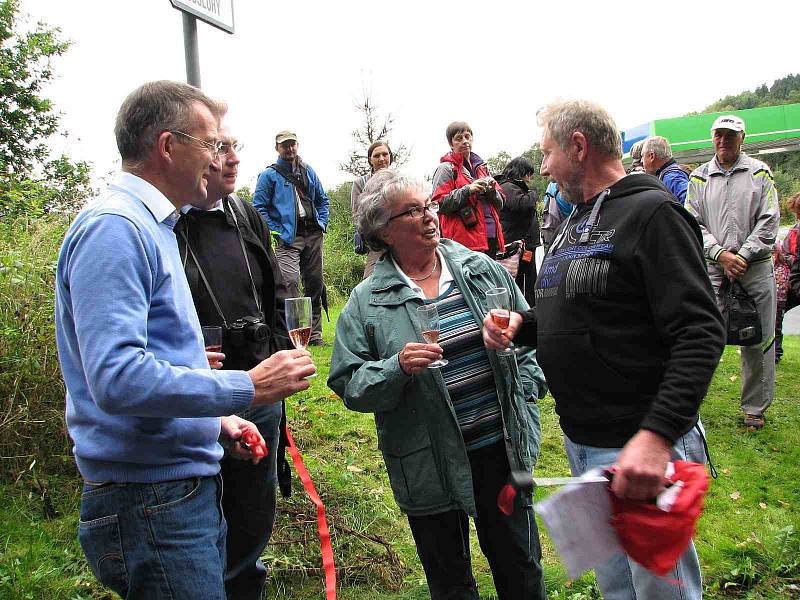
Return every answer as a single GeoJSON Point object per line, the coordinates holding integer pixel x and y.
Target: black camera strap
{"type": "Point", "coordinates": [210, 291]}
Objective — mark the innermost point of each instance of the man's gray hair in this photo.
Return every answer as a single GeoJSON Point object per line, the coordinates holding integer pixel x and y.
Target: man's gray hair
{"type": "Point", "coordinates": [636, 151]}
{"type": "Point", "coordinates": [155, 107]}
{"type": "Point", "coordinates": [564, 117]}
{"type": "Point", "coordinates": [658, 145]}
{"type": "Point", "coordinates": [383, 189]}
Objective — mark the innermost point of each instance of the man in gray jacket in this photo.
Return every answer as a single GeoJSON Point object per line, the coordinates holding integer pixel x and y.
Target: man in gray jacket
{"type": "Point", "coordinates": [734, 200]}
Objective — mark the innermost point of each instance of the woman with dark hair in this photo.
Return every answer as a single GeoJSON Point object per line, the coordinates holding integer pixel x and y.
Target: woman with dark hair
{"type": "Point", "coordinates": [379, 156]}
{"type": "Point", "coordinates": [519, 219]}
{"type": "Point", "coordinates": [468, 195]}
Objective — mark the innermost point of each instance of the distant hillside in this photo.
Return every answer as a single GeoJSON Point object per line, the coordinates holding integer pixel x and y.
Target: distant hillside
{"type": "Point", "coordinates": [783, 91]}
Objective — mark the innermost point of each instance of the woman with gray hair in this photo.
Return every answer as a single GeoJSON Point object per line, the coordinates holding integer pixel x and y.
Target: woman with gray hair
{"type": "Point", "coordinates": [450, 436]}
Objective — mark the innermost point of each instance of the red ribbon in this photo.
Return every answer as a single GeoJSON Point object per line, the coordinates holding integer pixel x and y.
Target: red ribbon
{"type": "Point", "coordinates": [328, 565]}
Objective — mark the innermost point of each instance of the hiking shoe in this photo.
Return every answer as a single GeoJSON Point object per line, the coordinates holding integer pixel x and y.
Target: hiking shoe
{"type": "Point", "coordinates": [753, 422]}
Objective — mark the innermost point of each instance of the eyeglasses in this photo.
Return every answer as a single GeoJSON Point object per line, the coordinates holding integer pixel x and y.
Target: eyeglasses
{"type": "Point", "coordinates": [416, 212]}
{"type": "Point", "coordinates": [225, 148]}
{"type": "Point", "coordinates": [215, 146]}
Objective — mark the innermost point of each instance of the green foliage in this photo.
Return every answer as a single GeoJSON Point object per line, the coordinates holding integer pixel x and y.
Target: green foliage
{"type": "Point", "coordinates": [343, 268]}
{"type": "Point", "coordinates": [783, 91]}
{"type": "Point", "coordinates": [31, 391]}
{"type": "Point", "coordinates": [30, 182]}
{"type": "Point", "coordinates": [245, 194]}
{"type": "Point", "coordinates": [498, 162]}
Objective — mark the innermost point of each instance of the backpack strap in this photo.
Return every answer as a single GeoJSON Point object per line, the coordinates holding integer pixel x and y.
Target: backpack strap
{"type": "Point", "coordinates": [291, 177]}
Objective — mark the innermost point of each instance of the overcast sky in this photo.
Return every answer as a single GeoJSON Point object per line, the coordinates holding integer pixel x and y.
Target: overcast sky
{"type": "Point", "coordinates": [303, 64]}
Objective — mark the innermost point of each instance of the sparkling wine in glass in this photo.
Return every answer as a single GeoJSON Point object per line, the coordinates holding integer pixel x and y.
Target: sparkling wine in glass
{"type": "Point", "coordinates": [212, 338]}
{"type": "Point", "coordinates": [499, 304]}
{"type": "Point", "coordinates": [429, 324]}
{"type": "Point", "coordinates": [298, 322]}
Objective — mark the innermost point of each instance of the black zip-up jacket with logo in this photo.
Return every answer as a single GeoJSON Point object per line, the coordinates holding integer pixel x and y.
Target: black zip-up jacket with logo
{"type": "Point", "coordinates": [627, 326]}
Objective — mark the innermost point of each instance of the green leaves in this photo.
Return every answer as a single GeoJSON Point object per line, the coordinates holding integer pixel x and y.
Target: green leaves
{"type": "Point", "coordinates": [31, 183]}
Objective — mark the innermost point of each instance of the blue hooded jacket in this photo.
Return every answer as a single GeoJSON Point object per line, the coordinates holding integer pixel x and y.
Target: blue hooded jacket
{"type": "Point", "coordinates": [274, 198]}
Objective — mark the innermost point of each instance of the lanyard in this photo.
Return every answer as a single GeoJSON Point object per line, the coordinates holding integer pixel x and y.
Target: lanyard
{"type": "Point", "coordinates": [590, 223]}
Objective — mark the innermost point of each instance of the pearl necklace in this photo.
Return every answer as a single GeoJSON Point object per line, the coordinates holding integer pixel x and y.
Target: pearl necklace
{"type": "Point", "coordinates": [435, 264]}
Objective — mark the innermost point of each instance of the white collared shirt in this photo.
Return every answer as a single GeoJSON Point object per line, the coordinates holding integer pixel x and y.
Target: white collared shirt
{"type": "Point", "coordinates": [445, 277]}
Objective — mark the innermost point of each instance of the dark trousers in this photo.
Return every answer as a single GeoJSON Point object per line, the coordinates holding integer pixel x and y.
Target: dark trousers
{"type": "Point", "coordinates": [526, 278]}
{"type": "Point", "coordinates": [510, 543]}
{"type": "Point", "coordinates": [303, 259]}
{"type": "Point", "coordinates": [780, 312]}
{"type": "Point", "coordinates": [248, 502]}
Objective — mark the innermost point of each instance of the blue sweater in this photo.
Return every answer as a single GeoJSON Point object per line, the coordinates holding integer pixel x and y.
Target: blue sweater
{"type": "Point", "coordinates": [142, 403]}
{"type": "Point", "coordinates": [274, 198]}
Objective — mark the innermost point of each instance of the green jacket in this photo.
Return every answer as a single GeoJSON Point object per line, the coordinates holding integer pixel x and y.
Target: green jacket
{"type": "Point", "coordinates": [418, 433]}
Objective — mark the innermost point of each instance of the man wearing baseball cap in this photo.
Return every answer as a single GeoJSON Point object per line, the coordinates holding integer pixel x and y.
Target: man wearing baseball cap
{"type": "Point", "coordinates": [734, 200]}
{"type": "Point", "coordinates": [290, 196]}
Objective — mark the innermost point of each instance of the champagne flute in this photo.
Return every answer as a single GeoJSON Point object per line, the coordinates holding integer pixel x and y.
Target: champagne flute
{"type": "Point", "coordinates": [298, 322]}
{"type": "Point", "coordinates": [428, 316]}
{"type": "Point", "coordinates": [497, 300]}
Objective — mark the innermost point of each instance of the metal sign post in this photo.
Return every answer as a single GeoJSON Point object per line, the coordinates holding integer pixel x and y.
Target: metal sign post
{"type": "Point", "coordinates": [190, 50]}
{"type": "Point", "coordinates": [218, 13]}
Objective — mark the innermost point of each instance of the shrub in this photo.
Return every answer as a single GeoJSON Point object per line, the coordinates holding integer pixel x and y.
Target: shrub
{"type": "Point", "coordinates": [343, 267]}
{"type": "Point", "coordinates": [31, 389]}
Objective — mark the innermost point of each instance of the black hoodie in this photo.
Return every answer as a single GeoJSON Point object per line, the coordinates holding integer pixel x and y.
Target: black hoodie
{"type": "Point", "coordinates": [629, 333]}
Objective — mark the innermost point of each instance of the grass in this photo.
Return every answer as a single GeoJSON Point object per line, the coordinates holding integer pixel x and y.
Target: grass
{"type": "Point", "coordinates": [748, 538]}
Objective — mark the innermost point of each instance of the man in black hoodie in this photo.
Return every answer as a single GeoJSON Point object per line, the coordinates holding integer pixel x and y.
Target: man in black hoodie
{"type": "Point", "coordinates": [626, 326]}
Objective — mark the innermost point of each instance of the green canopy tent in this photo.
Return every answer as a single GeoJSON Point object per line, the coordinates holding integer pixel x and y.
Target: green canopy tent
{"type": "Point", "coordinates": [769, 129]}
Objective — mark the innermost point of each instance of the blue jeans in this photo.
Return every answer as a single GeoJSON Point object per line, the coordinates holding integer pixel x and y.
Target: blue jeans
{"type": "Point", "coordinates": [157, 540]}
{"type": "Point", "coordinates": [249, 507]}
{"type": "Point", "coordinates": [621, 578]}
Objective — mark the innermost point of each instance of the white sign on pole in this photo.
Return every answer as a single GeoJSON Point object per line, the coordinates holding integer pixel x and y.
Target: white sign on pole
{"type": "Point", "coordinates": [218, 13]}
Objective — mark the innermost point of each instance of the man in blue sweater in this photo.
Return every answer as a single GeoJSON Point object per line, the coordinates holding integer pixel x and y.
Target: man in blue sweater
{"type": "Point", "coordinates": [290, 197]}
{"type": "Point", "coordinates": [143, 407]}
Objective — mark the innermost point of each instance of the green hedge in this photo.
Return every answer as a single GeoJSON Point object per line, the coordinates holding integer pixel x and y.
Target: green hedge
{"type": "Point", "coordinates": [31, 390]}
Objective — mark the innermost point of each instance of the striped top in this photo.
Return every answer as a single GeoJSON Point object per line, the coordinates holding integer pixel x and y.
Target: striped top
{"type": "Point", "coordinates": [468, 376]}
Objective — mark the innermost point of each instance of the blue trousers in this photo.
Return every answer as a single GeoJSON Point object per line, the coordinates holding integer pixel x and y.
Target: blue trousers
{"type": "Point", "coordinates": [621, 578]}
{"type": "Point", "coordinates": [153, 541]}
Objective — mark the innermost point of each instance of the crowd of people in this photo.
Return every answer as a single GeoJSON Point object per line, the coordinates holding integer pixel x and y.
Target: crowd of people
{"type": "Point", "coordinates": [623, 325]}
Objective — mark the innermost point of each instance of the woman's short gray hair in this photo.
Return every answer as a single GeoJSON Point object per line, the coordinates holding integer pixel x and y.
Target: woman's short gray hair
{"type": "Point", "coordinates": [154, 107]}
{"type": "Point", "coordinates": [383, 189]}
{"type": "Point", "coordinates": [563, 118]}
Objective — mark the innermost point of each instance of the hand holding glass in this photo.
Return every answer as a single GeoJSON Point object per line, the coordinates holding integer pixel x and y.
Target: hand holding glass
{"type": "Point", "coordinates": [428, 316]}
{"type": "Point", "coordinates": [497, 300]}
{"type": "Point", "coordinates": [298, 322]}
{"type": "Point", "coordinates": [212, 338]}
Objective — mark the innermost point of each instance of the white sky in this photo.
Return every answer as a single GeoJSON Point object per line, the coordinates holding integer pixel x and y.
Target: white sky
{"type": "Point", "coordinates": [302, 65]}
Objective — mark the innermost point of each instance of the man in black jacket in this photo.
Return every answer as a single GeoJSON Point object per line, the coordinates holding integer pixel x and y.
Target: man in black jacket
{"type": "Point", "coordinates": [236, 283]}
{"type": "Point", "coordinates": [627, 330]}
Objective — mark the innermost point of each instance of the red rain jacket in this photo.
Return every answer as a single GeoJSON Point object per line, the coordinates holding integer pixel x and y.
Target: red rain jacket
{"type": "Point", "coordinates": [452, 226]}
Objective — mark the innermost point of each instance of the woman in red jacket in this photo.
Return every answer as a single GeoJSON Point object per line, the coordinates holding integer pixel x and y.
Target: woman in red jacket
{"type": "Point", "coordinates": [468, 196]}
